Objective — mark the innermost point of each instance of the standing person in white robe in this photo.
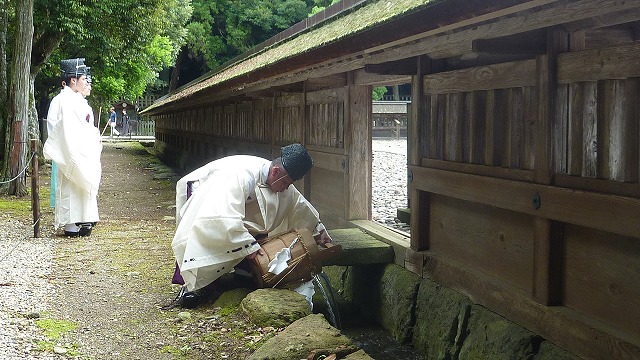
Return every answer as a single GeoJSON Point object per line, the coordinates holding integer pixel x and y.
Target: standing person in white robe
{"type": "Point", "coordinates": [74, 145]}
{"type": "Point", "coordinates": [233, 200]}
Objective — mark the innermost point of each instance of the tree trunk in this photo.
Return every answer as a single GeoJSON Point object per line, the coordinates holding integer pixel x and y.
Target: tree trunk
{"type": "Point", "coordinates": [4, 23]}
{"type": "Point", "coordinates": [175, 74]}
{"type": "Point", "coordinates": [18, 105]}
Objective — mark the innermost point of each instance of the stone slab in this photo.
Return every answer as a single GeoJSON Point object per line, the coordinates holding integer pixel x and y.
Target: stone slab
{"type": "Point", "coordinates": [359, 248]}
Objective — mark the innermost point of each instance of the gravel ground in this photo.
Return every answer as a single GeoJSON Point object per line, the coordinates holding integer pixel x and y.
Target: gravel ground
{"type": "Point", "coordinates": [25, 265]}
{"type": "Point", "coordinates": [389, 181]}
{"type": "Point", "coordinates": [29, 288]}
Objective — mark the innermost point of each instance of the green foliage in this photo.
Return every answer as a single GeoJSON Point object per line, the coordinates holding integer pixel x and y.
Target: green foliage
{"type": "Point", "coordinates": [126, 42]}
{"type": "Point", "coordinates": [378, 92]}
{"type": "Point", "coordinates": [222, 29]}
{"type": "Point", "coordinates": [318, 8]}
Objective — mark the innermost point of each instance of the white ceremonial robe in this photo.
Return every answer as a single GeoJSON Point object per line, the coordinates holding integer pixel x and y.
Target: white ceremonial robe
{"type": "Point", "coordinates": [74, 144]}
{"type": "Point", "coordinates": [52, 119]}
{"type": "Point", "coordinates": [230, 204]}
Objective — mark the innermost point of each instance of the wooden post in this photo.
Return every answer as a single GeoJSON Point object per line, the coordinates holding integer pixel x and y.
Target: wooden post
{"type": "Point", "coordinates": [418, 200]}
{"type": "Point", "coordinates": [358, 127]}
{"type": "Point", "coordinates": [35, 194]}
{"type": "Point", "coordinates": [548, 235]}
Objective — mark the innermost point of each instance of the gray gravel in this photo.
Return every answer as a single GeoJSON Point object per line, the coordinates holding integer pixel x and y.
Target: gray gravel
{"type": "Point", "coordinates": [25, 264]}
{"type": "Point", "coordinates": [389, 180]}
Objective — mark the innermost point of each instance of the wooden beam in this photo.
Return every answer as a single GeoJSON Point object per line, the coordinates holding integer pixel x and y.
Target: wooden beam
{"type": "Point", "coordinates": [600, 21]}
{"type": "Point", "coordinates": [504, 173]}
{"type": "Point", "coordinates": [598, 185]}
{"type": "Point", "coordinates": [406, 66]}
{"type": "Point", "coordinates": [490, 77]}
{"type": "Point", "coordinates": [329, 81]}
{"type": "Point", "coordinates": [615, 214]}
{"type": "Point", "coordinates": [531, 43]}
{"type": "Point", "coordinates": [620, 62]}
{"type": "Point", "coordinates": [362, 77]}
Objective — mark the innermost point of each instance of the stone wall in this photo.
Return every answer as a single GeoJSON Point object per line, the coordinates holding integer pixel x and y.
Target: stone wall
{"type": "Point", "coordinates": [439, 322]}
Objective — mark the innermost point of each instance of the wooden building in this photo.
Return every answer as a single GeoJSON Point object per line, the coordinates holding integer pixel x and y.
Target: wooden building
{"type": "Point", "coordinates": [523, 145]}
{"type": "Point", "coordinates": [389, 118]}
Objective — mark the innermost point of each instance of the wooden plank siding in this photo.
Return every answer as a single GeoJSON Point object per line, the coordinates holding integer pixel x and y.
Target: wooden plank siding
{"type": "Point", "coordinates": [530, 178]}
{"type": "Point", "coordinates": [326, 116]}
{"type": "Point", "coordinates": [604, 89]}
{"type": "Point", "coordinates": [289, 119]}
{"type": "Point", "coordinates": [491, 123]}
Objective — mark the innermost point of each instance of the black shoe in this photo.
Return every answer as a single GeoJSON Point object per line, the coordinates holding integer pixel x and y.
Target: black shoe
{"type": "Point", "coordinates": [71, 233]}
{"type": "Point", "coordinates": [189, 300]}
{"type": "Point", "coordinates": [85, 229]}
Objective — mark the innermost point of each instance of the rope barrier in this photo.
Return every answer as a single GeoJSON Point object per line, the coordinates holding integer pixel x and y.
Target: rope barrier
{"type": "Point", "coordinates": [21, 172]}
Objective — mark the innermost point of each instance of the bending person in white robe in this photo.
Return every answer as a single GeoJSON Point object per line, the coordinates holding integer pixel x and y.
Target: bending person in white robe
{"type": "Point", "coordinates": [235, 199]}
{"type": "Point", "coordinates": [74, 144]}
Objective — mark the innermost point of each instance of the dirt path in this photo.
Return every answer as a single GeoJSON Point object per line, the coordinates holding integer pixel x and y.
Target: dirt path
{"type": "Point", "coordinates": [112, 284]}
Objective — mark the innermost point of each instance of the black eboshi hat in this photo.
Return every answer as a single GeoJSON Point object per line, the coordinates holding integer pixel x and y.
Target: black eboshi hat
{"type": "Point", "coordinates": [296, 160]}
{"type": "Point", "coordinates": [73, 67]}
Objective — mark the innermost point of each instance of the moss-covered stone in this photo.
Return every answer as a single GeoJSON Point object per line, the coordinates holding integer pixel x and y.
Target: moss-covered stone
{"type": "Point", "coordinates": [336, 275]}
{"type": "Point", "coordinates": [309, 335]}
{"type": "Point", "coordinates": [232, 298]}
{"type": "Point", "coordinates": [358, 355]}
{"type": "Point", "coordinates": [398, 292]}
{"type": "Point", "coordinates": [274, 307]}
{"type": "Point", "coordinates": [441, 320]}
{"type": "Point", "coordinates": [493, 337]}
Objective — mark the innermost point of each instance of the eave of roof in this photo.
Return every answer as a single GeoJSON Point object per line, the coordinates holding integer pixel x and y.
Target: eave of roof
{"type": "Point", "coordinates": [341, 30]}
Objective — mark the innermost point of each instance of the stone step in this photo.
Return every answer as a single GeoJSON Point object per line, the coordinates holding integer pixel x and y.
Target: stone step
{"type": "Point", "coordinates": [359, 248]}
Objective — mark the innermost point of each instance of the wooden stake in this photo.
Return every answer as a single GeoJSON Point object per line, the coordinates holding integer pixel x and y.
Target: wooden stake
{"type": "Point", "coordinates": [35, 194]}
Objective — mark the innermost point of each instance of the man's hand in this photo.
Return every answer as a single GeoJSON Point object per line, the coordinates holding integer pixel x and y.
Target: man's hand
{"type": "Point", "coordinates": [254, 254]}
{"type": "Point", "coordinates": [323, 238]}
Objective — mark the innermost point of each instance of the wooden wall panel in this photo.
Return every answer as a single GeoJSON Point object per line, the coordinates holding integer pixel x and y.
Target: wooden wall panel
{"type": "Point", "coordinates": [487, 127]}
{"type": "Point", "coordinates": [326, 125]}
{"type": "Point", "coordinates": [488, 239]}
{"type": "Point", "coordinates": [474, 127]}
{"type": "Point", "coordinates": [262, 120]}
{"type": "Point", "coordinates": [228, 122]}
{"type": "Point", "coordinates": [328, 194]}
{"type": "Point", "coordinates": [288, 119]}
{"type": "Point", "coordinates": [602, 276]}
{"type": "Point", "coordinates": [603, 130]}
{"type": "Point", "coordinates": [454, 124]}
{"type": "Point", "coordinates": [244, 117]}
{"type": "Point", "coordinates": [218, 120]}
{"type": "Point", "coordinates": [620, 128]}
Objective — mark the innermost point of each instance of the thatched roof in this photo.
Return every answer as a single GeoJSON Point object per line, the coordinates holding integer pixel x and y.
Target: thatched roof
{"type": "Point", "coordinates": [348, 23]}
{"type": "Point", "coordinates": [364, 26]}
